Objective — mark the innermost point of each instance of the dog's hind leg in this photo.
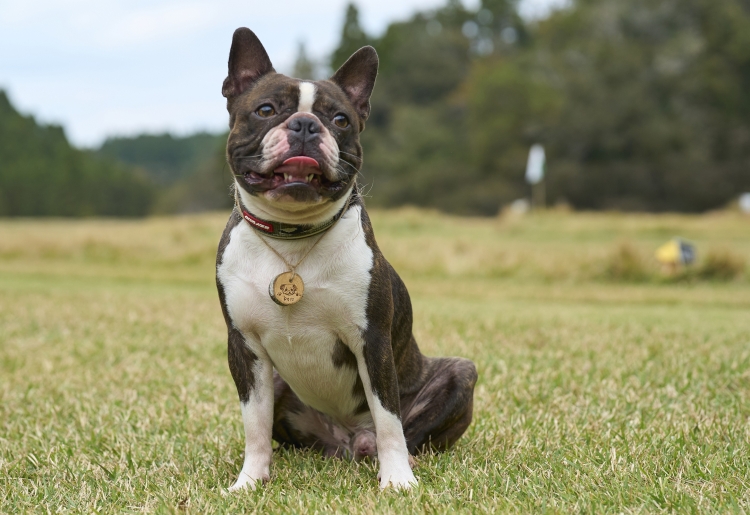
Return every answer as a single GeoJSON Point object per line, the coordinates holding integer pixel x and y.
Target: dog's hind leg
{"type": "Point", "coordinates": [298, 425]}
{"type": "Point", "coordinates": [437, 414]}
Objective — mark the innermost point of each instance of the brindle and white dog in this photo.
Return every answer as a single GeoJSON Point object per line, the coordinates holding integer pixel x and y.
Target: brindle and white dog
{"type": "Point", "coordinates": [340, 370]}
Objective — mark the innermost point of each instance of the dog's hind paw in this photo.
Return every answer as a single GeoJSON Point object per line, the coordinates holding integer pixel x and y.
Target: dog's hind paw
{"type": "Point", "coordinates": [364, 445]}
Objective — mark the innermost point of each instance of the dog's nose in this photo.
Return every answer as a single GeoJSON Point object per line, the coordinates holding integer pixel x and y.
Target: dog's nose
{"type": "Point", "coordinates": [305, 126]}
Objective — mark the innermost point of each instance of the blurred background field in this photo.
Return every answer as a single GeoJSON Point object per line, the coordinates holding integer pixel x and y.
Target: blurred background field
{"type": "Point", "coordinates": [597, 392]}
{"type": "Point", "coordinates": [546, 247]}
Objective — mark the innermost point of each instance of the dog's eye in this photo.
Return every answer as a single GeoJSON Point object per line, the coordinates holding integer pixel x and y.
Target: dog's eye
{"type": "Point", "coordinates": [341, 121]}
{"type": "Point", "coordinates": [265, 111]}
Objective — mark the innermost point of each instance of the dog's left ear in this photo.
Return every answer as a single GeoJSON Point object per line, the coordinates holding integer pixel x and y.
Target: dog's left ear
{"type": "Point", "coordinates": [357, 78]}
{"type": "Point", "coordinates": [248, 61]}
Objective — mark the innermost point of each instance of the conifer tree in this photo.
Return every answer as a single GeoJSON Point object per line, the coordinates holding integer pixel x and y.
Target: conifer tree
{"type": "Point", "coordinates": [353, 38]}
{"type": "Point", "coordinates": [41, 174]}
{"type": "Point", "coordinates": [304, 67]}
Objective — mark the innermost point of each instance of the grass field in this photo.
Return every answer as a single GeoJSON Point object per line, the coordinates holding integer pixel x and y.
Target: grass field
{"type": "Point", "coordinates": [598, 391]}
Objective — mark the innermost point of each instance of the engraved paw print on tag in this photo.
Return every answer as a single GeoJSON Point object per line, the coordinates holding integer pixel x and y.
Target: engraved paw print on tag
{"type": "Point", "coordinates": [286, 289]}
{"type": "Point", "coordinates": [289, 290]}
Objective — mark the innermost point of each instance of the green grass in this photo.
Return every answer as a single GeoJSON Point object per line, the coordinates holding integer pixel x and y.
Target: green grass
{"type": "Point", "coordinates": [594, 395]}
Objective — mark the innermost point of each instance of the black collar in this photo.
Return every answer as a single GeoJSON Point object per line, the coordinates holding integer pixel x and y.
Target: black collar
{"type": "Point", "coordinates": [286, 231]}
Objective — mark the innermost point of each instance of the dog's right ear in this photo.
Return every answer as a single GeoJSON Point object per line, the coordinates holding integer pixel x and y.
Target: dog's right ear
{"type": "Point", "coordinates": [248, 62]}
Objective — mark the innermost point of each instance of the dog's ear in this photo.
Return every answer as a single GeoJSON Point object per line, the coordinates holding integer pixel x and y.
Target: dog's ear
{"type": "Point", "coordinates": [357, 78]}
{"type": "Point", "coordinates": [248, 61]}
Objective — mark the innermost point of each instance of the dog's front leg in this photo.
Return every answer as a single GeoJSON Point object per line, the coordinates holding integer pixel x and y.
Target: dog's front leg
{"type": "Point", "coordinates": [253, 376]}
{"type": "Point", "coordinates": [378, 373]}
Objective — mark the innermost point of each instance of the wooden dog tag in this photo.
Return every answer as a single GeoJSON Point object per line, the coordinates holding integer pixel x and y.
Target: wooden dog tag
{"type": "Point", "coordinates": [286, 289]}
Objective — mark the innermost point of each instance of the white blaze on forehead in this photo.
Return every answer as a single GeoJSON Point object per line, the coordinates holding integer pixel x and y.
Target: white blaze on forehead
{"type": "Point", "coordinates": [306, 97]}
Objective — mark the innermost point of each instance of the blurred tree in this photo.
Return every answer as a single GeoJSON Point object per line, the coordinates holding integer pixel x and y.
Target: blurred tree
{"type": "Point", "coordinates": [304, 67]}
{"type": "Point", "coordinates": [652, 117]}
{"type": "Point", "coordinates": [422, 61]}
{"type": "Point", "coordinates": [509, 109]}
{"type": "Point", "coordinates": [641, 104]}
{"type": "Point", "coordinates": [206, 188]}
{"type": "Point", "coordinates": [163, 157]}
{"type": "Point", "coordinates": [191, 171]}
{"type": "Point", "coordinates": [498, 27]}
{"type": "Point", "coordinates": [353, 38]}
{"type": "Point", "coordinates": [42, 175]}
{"type": "Point", "coordinates": [417, 143]}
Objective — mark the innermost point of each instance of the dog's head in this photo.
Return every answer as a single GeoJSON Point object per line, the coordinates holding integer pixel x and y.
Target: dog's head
{"type": "Point", "coordinates": [294, 145]}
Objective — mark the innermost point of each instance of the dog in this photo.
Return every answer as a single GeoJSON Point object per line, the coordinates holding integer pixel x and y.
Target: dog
{"type": "Point", "coordinates": [330, 364]}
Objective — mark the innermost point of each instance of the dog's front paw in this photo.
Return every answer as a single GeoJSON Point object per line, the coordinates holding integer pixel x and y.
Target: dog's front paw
{"type": "Point", "coordinates": [250, 480]}
{"type": "Point", "coordinates": [398, 476]}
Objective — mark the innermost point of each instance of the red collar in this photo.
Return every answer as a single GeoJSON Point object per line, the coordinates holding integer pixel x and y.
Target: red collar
{"type": "Point", "coordinates": [286, 231]}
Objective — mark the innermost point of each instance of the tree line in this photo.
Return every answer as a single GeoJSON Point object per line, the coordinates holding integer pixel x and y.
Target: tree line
{"type": "Point", "coordinates": [640, 105]}
{"type": "Point", "coordinates": [41, 174]}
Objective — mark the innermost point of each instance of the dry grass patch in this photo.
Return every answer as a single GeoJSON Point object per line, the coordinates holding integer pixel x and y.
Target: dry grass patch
{"type": "Point", "coordinates": [722, 265]}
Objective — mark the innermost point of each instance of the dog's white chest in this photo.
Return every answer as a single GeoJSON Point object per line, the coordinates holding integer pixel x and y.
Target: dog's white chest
{"type": "Point", "coordinates": [301, 339]}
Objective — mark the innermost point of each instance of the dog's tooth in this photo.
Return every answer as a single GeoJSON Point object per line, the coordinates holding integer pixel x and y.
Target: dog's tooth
{"type": "Point", "coordinates": [286, 177]}
{"type": "Point", "coordinates": [310, 177]}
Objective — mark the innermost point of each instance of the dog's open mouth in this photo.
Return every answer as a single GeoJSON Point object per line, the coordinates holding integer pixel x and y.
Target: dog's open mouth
{"type": "Point", "coordinates": [295, 171]}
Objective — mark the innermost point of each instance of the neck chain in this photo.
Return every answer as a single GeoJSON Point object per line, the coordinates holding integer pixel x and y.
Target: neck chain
{"type": "Point", "coordinates": [287, 288]}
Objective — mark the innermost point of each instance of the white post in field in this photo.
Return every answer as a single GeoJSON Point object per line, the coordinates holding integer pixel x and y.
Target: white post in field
{"type": "Point", "coordinates": [535, 175]}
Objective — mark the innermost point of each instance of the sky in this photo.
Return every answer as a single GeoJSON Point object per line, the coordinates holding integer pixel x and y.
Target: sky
{"type": "Point", "coordinates": [121, 67]}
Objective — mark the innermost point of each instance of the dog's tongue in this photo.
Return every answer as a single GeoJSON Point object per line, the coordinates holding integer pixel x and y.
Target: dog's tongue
{"type": "Point", "coordinates": [301, 161]}
{"type": "Point", "coordinates": [299, 166]}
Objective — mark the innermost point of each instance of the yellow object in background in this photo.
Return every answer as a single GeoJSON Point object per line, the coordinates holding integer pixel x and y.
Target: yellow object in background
{"type": "Point", "coordinates": [676, 252]}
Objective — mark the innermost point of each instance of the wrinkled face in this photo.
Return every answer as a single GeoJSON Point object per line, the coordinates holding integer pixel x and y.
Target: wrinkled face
{"type": "Point", "coordinates": [294, 141]}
